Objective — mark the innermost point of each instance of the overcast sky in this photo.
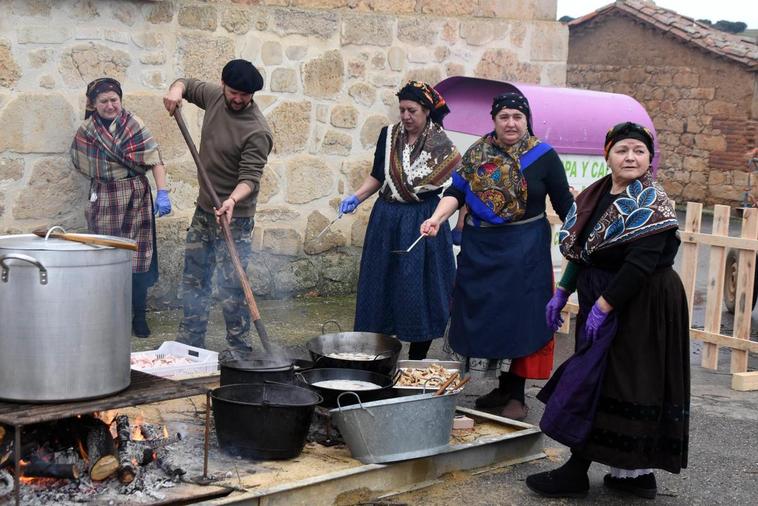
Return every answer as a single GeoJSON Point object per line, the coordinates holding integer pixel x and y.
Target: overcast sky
{"type": "Point", "coordinates": [730, 10]}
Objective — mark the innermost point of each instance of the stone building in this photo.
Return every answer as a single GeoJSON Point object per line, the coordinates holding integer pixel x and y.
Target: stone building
{"type": "Point", "coordinates": [331, 70]}
{"type": "Point", "coordinates": [699, 86]}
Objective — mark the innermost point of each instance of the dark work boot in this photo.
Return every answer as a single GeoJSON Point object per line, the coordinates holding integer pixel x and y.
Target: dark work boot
{"type": "Point", "coordinates": [239, 343]}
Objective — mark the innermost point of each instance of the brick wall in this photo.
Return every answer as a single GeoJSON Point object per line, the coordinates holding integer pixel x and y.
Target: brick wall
{"type": "Point", "coordinates": [701, 104]}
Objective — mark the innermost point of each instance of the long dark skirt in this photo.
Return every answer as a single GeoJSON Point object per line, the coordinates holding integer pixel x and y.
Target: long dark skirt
{"type": "Point", "coordinates": [405, 295]}
{"type": "Point", "coordinates": [642, 414]}
{"type": "Point", "coordinates": [504, 280]}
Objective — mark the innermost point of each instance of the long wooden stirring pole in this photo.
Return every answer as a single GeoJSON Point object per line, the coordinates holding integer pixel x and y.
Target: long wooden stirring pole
{"type": "Point", "coordinates": [240, 271]}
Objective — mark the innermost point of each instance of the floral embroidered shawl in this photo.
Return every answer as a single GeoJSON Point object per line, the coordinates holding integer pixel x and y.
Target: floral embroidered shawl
{"type": "Point", "coordinates": [643, 209]}
{"type": "Point", "coordinates": [423, 167]}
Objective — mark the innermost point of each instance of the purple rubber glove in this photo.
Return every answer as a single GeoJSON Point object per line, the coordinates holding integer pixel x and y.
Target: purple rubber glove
{"type": "Point", "coordinates": [349, 204]}
{"type": "Point", "coordinates": [595, 320]}
{"type": "Point", "coordinates": [162, 203]}
{"type": "Point", "coordinates": [554, 307]}
{"type": "Point", "coordinates": [457, 234]}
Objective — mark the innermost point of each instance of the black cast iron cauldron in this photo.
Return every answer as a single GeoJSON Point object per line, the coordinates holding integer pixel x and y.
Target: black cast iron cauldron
{"type": "Point", "coordinates": [263, 421]}
{"type": "Point", "coordinates": [384, 384]}
{"type": "Point", "coordinates": [383, 349]}
{"type": "Point", "coordinates": [241, 367]}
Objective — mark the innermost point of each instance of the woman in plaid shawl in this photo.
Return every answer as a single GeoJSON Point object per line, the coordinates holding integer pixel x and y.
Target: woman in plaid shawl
{"type": "Point", "coordinates": [115, 150]}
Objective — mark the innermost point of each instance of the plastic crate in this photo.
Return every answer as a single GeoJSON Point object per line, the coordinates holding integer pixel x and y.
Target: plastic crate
{"type": "Point", "coordinates": [203, 361]}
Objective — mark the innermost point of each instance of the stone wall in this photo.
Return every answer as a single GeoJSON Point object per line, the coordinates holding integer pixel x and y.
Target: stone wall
{"type": "Point", "coordinates": [703, 106]}
{"type": "Point", "coordinates": [331, 69]}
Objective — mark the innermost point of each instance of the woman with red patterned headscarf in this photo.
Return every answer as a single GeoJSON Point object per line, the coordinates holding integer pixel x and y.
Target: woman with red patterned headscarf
{"type": "Point", "coordinates": [407, 295]}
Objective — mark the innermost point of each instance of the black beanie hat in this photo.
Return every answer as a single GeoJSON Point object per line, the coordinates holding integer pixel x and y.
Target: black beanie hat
{"type": "Point", "coordinates": [242, 76]}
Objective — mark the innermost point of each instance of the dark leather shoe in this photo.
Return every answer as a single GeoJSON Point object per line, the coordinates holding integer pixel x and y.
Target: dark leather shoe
{"type": "Point", "coordinates": [642, 486]}
{"type": "Point", "coordinates": [496, 398]}
{"type": "Point", "coordinates": [558, 483]}
{"type": "Point", "coordinates": [515, 410]}
{"type": "Point", "coordinates": [139, 325]}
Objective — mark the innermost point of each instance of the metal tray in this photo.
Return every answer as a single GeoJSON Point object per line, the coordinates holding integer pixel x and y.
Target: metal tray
{"type": "Point", "coordinates": [450, 365]}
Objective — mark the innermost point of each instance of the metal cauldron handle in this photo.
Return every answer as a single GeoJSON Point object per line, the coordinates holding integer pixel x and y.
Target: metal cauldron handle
{"type": "Point", "coordinates": [50, 231]}
{"type": "Point", "coordinates": [339, 406]}
{"type": "Point", "coordinates": [301, 378]}
{"type": "Point", "coordinates": [335, 322]}
{"type": "Point", "coordinates": [396, 378]}
{"type": "Point", "coordinates": [26, 258]}
{"type": "Point", "coordinates": [436, 378]}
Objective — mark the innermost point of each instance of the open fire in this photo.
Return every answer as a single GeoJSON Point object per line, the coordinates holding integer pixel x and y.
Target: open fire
{"type": "Point", "coordinates": [88, 452]}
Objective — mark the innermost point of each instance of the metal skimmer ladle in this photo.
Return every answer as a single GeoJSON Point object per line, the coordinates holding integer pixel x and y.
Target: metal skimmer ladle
{"type": "Point", "coordinates": [328, 226]}
{"type": "Point", "coordinates": [404, 251]}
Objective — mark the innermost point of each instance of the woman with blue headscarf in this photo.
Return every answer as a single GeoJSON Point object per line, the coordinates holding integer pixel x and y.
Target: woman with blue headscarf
{"type": "Point", "coordinates": [505, 274]}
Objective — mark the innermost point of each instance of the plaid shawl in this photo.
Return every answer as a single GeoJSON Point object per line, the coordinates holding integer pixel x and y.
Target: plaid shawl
{"type": "Point", "coordinates": [423, 167]}
{"type": "Point", "coordinates": [124, 208]}
{"type": "Point", "coordinates": [643, 209]}
{"type": "Point", "coordinates": [123, 149]}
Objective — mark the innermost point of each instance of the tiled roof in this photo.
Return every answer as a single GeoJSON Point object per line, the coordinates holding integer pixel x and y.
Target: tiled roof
{"type": "Point", "coordinates": [681, 27]}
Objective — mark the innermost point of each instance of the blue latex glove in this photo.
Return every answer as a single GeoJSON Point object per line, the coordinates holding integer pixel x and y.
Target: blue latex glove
{"type": "Point", "coordinates": [554, 307]}
{"type": "Point", "coordinates": [349, 204]}
{"type": "Point", "coordinates": [162, 203]}
{"type": "Point", "coordinates": [594, 321]}
{"type": "Point", "coordinates": [457, 234]}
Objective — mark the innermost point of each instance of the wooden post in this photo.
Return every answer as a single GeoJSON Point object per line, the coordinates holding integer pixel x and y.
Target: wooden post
{"type": "Point", "coordinates": [745, 381]}
{"type": "Point", "coordinates": [690, 251]}
{"type": "Point", "coordinates": [743, 307]}
{"type": "Point", "coordinates": [715, 290]}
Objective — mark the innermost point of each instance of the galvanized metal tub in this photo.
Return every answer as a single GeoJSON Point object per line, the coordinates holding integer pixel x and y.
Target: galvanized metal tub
{"type": "Point", "coordinates": [396, 429]}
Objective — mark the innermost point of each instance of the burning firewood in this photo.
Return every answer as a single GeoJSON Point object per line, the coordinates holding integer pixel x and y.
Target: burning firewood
{"type": "Point", "coordinates": [151, 431]}
{"type": "Point", "coordinates": [100, 451]}
{"type": "Point", "coordinates": [6, 445]}
{"type": "Point", "coordinates": [41, 469]}
{"type": "Point", "coordinates": [126, 469]}
{"type": "Point", "coordinates": [6, 483]}
{"type": "Point", "coordinates": [165, 463]}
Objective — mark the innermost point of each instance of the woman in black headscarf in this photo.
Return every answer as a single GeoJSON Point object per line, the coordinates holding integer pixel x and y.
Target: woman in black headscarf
{"type": "Point", "coordinates": [623, 398]}
{"type": "Point", "coordinates": [505, 274]}
{"type": "Point", "coordinates": [407, 295]}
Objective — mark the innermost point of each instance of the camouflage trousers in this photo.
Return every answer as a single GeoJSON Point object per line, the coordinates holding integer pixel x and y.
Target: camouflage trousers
{"type": "Point", "coordinates": [206, 252]}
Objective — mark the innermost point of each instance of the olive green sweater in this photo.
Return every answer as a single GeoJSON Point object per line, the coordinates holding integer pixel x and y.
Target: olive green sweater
{"type": "Point", "coordinates": [234, 146]}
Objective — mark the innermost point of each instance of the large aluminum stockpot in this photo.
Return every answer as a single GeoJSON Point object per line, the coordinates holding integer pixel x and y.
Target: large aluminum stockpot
{"type": "Point", "coordinates": [65, 325]}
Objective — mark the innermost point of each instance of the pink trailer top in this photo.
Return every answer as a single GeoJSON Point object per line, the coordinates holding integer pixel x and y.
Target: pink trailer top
{"type": "Point", "coordinates": [573, 121]}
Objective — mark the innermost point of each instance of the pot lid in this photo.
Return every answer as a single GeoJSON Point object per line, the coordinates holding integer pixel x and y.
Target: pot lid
{"type": "Point", "coordinates": [31, 242]}
{"type": "Point", "coordinates": [254, 365]}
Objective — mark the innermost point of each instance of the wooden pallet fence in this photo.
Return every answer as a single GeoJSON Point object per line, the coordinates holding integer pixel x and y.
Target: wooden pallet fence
{"type": "Point", "coordinates": [719, 242]}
